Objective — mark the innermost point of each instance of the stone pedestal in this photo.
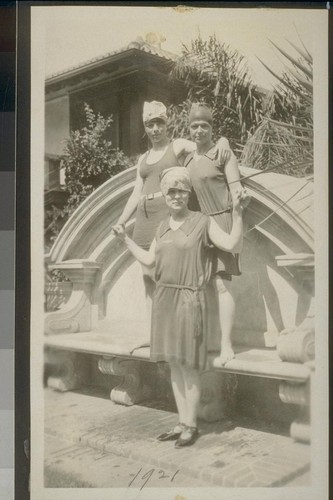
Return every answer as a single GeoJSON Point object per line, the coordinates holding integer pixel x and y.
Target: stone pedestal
{"type": "Point", "coordinates": [75, 315]}
{"type": "Point", "coordinates": [298, 347]}
{"type": "Point", "coordinates": [297, 344]}
{"type": "Point", "coordinates": [218, 392]}
{"type": "Point", "coordinates": [69, 370]}
{"type": "Point", "coordinates": [298, 394]}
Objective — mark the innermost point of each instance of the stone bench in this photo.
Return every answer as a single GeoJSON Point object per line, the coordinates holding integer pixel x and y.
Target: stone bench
{"type": "Point", "coordinates": [123, 359]}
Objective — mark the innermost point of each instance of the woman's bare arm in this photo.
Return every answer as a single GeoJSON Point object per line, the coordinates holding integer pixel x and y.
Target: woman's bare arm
{"type": "Point", "coordinates": [145, 257]}
{"type": "Point", "coordinates": [134, 199]}
{"type": "Point", "coordinates": [232, 173]}
{"type": "Point", "coordinates": [232, 242]}
{"type": "Point", "coordinates": [183, 146]}
{"type": "Point", "coordinates": [228, 159]}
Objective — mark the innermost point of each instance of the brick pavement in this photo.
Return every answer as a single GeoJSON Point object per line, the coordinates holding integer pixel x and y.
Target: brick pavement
{"type": "Point", "coordinates": [85, 432]}
{"type": "Point", "coordinates": [106, 470]}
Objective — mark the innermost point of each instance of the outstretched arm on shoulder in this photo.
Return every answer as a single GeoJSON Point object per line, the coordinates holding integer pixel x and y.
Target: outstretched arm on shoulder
{"type": "Point", "coordinates": [134, 198]}
{"type": "Point", "coordinates": [183, 146]}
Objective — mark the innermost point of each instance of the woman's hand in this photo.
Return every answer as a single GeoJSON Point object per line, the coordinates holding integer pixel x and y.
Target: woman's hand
{"type": "Point", "coordinates": [245, 198]}
{"type": "Point", "coordinates": [146, 258]}
{"type": "Point", "coordinates": [236, 200]}
{"type": "Point", "coordinates": [119, 231]}
{"type": "Point", "coordinates": [223, 151]}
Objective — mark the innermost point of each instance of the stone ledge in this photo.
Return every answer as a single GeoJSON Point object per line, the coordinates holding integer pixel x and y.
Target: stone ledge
{"type": "Point", "coordinates": [253, 362]}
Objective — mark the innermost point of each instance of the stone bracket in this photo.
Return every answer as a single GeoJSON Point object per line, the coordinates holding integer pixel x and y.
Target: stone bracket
{"type": "Point", "coordinates": [131, 389]}
{"type": "Point", "coordinates": [299, 394]}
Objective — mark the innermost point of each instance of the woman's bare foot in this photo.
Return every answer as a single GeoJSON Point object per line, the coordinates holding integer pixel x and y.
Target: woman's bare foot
{"type": "Point", "coordinates": [227, 353]}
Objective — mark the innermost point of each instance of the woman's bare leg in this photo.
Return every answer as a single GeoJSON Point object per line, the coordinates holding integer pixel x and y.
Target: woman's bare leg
{"type": "Point", "coordinates": [227, 315]}
{"type": "Point", "coordinates": [149, 283]}
{"type": "Point", "coordinates": [178, 387]}
{"type": "Point", "coordinates": [192, 393]}
{"type": "Point", "coordinates": [149, 290]}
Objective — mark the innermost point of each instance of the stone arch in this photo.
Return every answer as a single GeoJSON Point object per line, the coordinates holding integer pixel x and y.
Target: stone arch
{"type": "Point", "coordinates": [278, 224]}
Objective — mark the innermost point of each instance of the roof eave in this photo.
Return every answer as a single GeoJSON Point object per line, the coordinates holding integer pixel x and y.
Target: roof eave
{"type": "Point", "coordinates": [102, 62]}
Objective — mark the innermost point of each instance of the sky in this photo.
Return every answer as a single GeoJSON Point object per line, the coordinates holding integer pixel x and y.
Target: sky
{"type": "Point", "coordinates": [75, 34]}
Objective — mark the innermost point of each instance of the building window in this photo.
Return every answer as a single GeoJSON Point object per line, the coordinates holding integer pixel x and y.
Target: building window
{"type": "Point", "coordinates": [52, 174]}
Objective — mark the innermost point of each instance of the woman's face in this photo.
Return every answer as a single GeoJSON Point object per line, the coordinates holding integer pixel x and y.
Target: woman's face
{"type": "Point", "coordinates": [156, 130]}
{"type": "Point", "coordinates": [201, 132]}
{"type": "Point", "coordinates": [177, 199]}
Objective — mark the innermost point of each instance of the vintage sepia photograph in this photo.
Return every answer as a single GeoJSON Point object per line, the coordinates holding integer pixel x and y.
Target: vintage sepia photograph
{"type": "Point", "coordinates": [179, 252]}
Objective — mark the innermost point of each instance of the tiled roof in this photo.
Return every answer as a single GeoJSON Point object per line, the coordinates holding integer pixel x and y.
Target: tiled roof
{"type": "Point", "coordinates": [138, 44]}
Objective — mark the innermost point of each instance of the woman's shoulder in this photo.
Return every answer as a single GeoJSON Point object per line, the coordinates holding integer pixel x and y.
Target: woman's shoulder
{"type": "Point", "coordinates": [143, 156]}
{"type": "Point", "coordinates": [163, 227]}
{"type": "Point", "coordinates": [197, 223]}
{"type": "Point", "coordinates": [188, 162]}
{"type": "Point", "coordinates": [199, 218]}
{"type": "Point", "coordinates": [142, 159]}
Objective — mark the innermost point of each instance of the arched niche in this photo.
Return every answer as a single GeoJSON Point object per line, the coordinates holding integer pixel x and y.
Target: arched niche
{"type": "Point", "coordinates": [107, 284]}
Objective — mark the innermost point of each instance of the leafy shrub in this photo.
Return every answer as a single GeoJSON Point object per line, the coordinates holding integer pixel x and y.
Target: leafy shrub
{"type": "Point", "coordinates": [89, 160]}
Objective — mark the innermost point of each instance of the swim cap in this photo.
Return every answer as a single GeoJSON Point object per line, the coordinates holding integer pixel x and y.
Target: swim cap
{"type": "Point", "coordinates": [200, 111]}
{"type": "Point", "coordinates": [154, 109]}
{"type": "Point", "coordinates": [175, 178]}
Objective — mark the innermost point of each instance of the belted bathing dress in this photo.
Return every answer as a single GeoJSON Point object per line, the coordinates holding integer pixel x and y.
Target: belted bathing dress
{"type": "Point", "coordinates": [152, 209]}
{"type": "Point", "coordinates": [179, 315]}
{"type": "Point", "coordinates": [214, 197]}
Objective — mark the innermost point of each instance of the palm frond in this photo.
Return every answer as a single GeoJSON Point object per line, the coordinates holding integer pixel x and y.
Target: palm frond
{"type": "Point", "coordinates": [272, 146]}
{"type": "Point", "coordinates": [217, 74]}
{"type": "Point", "coordinates": [303, 53]}
{"type": "Point", "coordinates": [284, 82]}
{"type": "Point", "coordinates": [302, 43]}
{"type": "Point", "coordinates": [294, 61]}
{"type": "Point", "coordinates": [295, 127]}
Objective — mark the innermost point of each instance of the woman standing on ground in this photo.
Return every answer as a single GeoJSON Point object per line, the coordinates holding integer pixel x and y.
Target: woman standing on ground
{"type": "Point", "coordinates": [181, 254]}
{"type": "Point", "coordinates": [214, 184]}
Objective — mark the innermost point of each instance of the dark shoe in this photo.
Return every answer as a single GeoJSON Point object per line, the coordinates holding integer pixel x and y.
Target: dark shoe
{"type": "Point", "coordinates": [172, 434]}
{"type": "Point", "coordinates": [187, 437]}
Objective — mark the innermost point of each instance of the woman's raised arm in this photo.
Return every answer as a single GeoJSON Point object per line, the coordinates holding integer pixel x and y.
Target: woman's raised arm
{"type": "Point", "coordinates": [145, 257]}
{"type": "Point", "coordinates": [134, 199]}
